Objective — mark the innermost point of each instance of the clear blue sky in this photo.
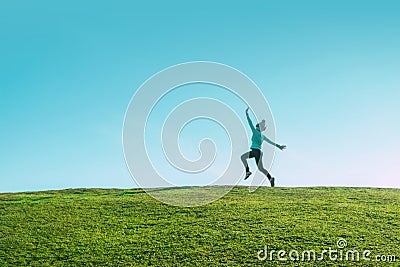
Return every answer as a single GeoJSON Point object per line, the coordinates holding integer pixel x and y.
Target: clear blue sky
{"type": "Point", "coordinates": [329, 69]}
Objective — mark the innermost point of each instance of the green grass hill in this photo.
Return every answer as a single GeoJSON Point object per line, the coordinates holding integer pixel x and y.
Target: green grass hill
{"type": "Point", "coordinates": [113, 227]}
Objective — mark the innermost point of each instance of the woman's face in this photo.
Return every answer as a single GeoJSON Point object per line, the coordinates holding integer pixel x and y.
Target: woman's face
{"type": "Point", "coordinates": [262, 126]}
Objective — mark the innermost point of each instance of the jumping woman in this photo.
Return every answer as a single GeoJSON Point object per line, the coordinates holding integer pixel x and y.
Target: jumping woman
{"type": "Point", "coordinates": [256, 153]}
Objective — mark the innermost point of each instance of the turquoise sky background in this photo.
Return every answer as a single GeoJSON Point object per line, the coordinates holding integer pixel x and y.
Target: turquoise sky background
{"type": "Point", "coordinates": [329, 69]}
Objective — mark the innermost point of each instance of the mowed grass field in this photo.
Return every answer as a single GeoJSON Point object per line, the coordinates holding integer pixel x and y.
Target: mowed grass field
{"type": "Point", "coordinates": [98, 227]}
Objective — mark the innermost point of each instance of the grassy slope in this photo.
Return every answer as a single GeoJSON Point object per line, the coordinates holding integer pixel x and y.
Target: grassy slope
{"type": "Point", "coordinates": [128, 227]}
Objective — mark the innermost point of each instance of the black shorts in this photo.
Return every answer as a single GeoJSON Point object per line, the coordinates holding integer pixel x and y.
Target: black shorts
{"type": "Point", "coordinates": [256, 154]}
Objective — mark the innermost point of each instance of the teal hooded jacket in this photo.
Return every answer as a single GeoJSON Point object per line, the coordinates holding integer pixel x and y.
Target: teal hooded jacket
{"type": "Point", "coordinates": [258, 137]}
